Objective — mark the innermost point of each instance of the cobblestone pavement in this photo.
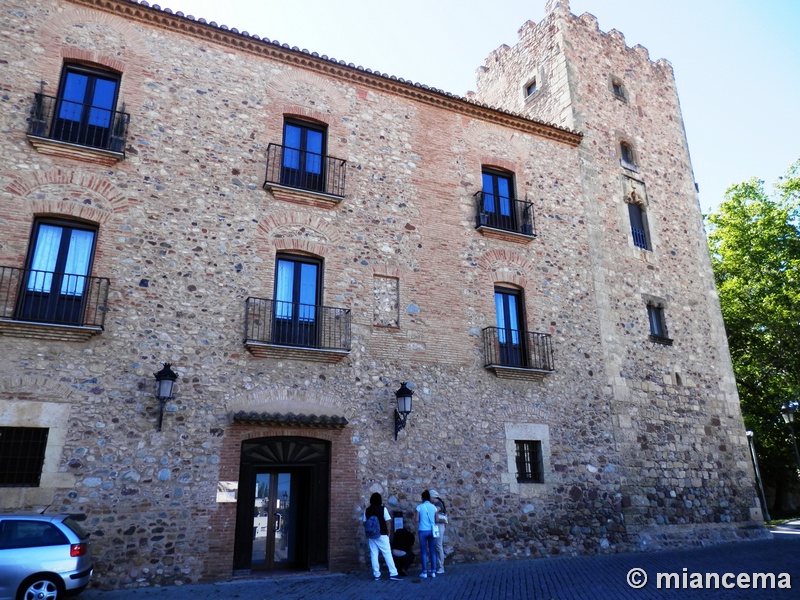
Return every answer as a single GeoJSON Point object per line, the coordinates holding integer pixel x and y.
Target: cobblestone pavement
{"type": "Point", "coordinates": [568, 578]}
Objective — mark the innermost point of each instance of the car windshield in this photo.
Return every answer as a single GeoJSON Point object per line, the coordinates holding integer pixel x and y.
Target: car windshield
{"type": "Point", "coordinates": [77, 529]}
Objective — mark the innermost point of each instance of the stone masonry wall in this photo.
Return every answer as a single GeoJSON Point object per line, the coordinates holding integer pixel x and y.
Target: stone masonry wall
{"type": "Point", "coordinates": [639, 437]}
{"type": "Point", "coordinates": [676, 407]}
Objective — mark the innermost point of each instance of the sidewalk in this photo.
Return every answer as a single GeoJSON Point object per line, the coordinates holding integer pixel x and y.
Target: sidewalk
{"type": "Point", "coordinates": [568, 578]}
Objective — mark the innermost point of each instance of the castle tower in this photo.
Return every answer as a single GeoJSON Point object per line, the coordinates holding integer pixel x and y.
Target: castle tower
{"type": "Point", "coordinates": [677, 421]}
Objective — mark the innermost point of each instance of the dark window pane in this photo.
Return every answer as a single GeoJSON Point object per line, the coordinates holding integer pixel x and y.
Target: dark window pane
{"type": "Point", "coordinates": [296, 302]}
{"type": "Point", "coordinates": [22, 455]}
{"type": "Point", "coordinates": [530, 467]}
{"type": "Point", "coordinates": [655, 315]}
{"type": "Point", "coordinates": [508, 312]}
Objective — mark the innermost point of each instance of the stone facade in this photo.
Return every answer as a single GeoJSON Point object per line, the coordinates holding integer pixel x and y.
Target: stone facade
{"type": "Point", "coordinates": [641, 435]}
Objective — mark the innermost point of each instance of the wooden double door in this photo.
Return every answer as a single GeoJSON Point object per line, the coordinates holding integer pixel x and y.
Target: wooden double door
{"type": "Point", "coordinates": [283, 505]}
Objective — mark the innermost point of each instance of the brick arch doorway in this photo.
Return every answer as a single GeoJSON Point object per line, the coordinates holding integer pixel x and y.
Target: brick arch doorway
{"type": "Point", "coordinates": [283, 504]}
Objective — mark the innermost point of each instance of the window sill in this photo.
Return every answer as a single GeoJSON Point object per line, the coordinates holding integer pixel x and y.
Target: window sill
{"type": "Point", "coordinates": [518, 373]}
{"type": "Point", "coordinates": [503, 234]}
{"type": "Point", "coordinates": [630, 166]}
{"type": "Point", "coordinates": [664, 341]}
{"type": "Point", "coordinates": [50, 147]}
{"type": "Point", "coordinates": [47, 331]}
{"type": "Point", "coordinates": [304, 197]}
{"type": "Point", "coordinates": [323, 355]}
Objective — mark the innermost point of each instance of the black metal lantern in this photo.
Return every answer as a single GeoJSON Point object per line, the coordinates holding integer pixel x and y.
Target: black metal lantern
{"type": "Point", "coordinates": [788, 411]}
{"type": "Point", "coordinates": [404, 398]}
{"type": "Point", "coordinates": [165, 381]}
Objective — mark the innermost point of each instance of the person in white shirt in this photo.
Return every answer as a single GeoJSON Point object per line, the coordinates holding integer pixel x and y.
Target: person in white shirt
{"type": "Point", "coordinates": [380, 544]}
{"type": "Point", "coordinates": [426, 521]}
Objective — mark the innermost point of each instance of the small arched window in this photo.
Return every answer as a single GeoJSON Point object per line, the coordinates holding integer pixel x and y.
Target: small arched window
{"type": "Point", "coordinates": [530, 88]}
{"type": "Point", "coordinates": [658, 325]}
{"type": "Point", "coordinates": [618, 88]}
{"type": "Point", "coordinates": [627, 155]}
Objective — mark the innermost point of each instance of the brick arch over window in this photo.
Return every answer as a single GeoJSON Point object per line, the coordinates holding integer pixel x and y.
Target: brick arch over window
{"type": "Point", "coordinates": [46, 389]}
{"type": "Point", "coordinates": [279, 224]}
{"type": "Point", "coordinates": [499, 164]}
{"type": "Point", "coordinates": [127, 58]}
{"type": "Point", "coordinates": [92, 59]}
{"type": "Point", "coordinates": [303, 114]}
{"type": "Point", "coordinates": [505, 266]}
{"type": "Point", "coordinates": [323, 92]}
{"type": "Point", "coordinates": [29, 184]}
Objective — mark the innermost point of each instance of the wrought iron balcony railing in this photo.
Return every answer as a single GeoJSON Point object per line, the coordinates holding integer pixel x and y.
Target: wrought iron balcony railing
{"type": "Point", "coordinates": [507, 214]}
{"type": "Point", "coordinates": [53, 298]}
{"type": "Point", "coordinates": [298, 325]}
{"type": "Point", "coordinates": [80, 124]}
{"type": "Point", "coordinates": [304, 170]}
{"type": "Point", "coordinates": [518, 349]}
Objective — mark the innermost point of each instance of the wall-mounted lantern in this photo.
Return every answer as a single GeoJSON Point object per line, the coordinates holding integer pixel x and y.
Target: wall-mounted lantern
{"type": "Point", "coordinates": [404, 396]}
{"type": "Point", "coordinates": [788, 412]}
{"type": "Point", "coordinates": [165, 380]}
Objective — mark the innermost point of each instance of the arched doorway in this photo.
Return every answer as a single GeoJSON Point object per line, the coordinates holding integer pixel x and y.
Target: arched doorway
{"type": "Point", "coordinates": [283, 504]}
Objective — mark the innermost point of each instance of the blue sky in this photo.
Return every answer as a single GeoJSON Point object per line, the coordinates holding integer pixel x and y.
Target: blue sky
{"type": "Point", "coordinates": [736, 62]}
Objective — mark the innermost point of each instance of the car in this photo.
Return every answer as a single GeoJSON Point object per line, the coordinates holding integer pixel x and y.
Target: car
{"type": "Point", "coordinates": [43, 557]}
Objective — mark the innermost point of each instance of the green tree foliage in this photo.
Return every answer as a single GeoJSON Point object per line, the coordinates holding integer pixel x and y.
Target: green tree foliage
{"type": "Point", "coordinates": [755, 252]}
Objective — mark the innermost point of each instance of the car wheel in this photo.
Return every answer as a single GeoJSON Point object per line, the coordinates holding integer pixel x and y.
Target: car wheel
{"type": "Point", "coordinates": [40, 587]}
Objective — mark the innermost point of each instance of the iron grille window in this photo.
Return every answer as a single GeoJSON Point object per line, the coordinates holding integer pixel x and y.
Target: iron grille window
{"type": "Point", "coordinates": [530, 468]}
{"type": "Point", "coordinates": [638, 226]}
{"type": "Point", "coordinates": [22, 455]}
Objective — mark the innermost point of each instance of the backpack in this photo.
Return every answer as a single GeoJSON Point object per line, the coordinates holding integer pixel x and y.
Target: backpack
{"type": "Point", "coordinates": [372, 528]}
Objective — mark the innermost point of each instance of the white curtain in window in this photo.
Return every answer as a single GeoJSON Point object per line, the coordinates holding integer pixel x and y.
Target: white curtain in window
{"type": "Point", "coordinates": [77, 265]}
{"type": "Point", "coordinates": [45, 255]}
{"type": "Point", "coordinates": [283, 291]}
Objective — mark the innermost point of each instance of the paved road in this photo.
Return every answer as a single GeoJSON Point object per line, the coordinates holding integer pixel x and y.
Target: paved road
{"type": "Point", "coordinates": [569, 578]}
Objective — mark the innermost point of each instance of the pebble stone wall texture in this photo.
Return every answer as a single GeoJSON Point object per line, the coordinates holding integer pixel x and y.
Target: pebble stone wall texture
{"type": "Point", "coordinates": [644, 443]}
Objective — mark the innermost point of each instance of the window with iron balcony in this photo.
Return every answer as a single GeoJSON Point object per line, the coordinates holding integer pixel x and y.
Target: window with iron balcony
{"type": "Point", "coordinates": [294, 323]}
{"type": "Point", "coordinates": [54, 296]}
{"type": "Point", "coordinates": [497, 208]}
{"type": "Point", "coordinates": [82, 120]}
{"type": "Point", "coordinates": [299, 170]}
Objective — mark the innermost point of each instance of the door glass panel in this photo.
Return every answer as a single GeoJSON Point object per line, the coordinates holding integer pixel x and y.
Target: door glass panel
{"type": "Point", "coordinates": [102, 102]}
{"type": "Point", "coordinates": [513, 319]}
{"type": "Point", "coordinates": [504, 192]}
{"type": "Point", "coordinates": [308, 291]}
{"type": "Point", "coordinates": [498, 201]}
{"type": "Point", "coordinates": [488, 193]}
{"type": "Point", "coordinates": [314, 154]}
{"type": "Point", "coordinates": [274, 522]}
{"type": "Point", "coordinates": [500, 316]}
{"type": "Point", "coordinates": [283, 524]}
{"type": "Point", "coordinates": [261, 519]}
{"type": "Point", "coordinates": [509, 334]}
{"type": "Point", "coordinates": [45, 255]}
{"type": "Point", "coordinates": [77, 265]}
{"type": "Point", "coordinates": [73, 96]}
{"type": "Point", "coordinates": [291, 141]}
{"type": "Point", "coordinates": [284, 289]}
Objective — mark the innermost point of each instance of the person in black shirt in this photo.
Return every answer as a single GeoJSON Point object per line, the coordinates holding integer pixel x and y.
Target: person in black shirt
{"type": "Point", "coordinates": [402, 550]}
